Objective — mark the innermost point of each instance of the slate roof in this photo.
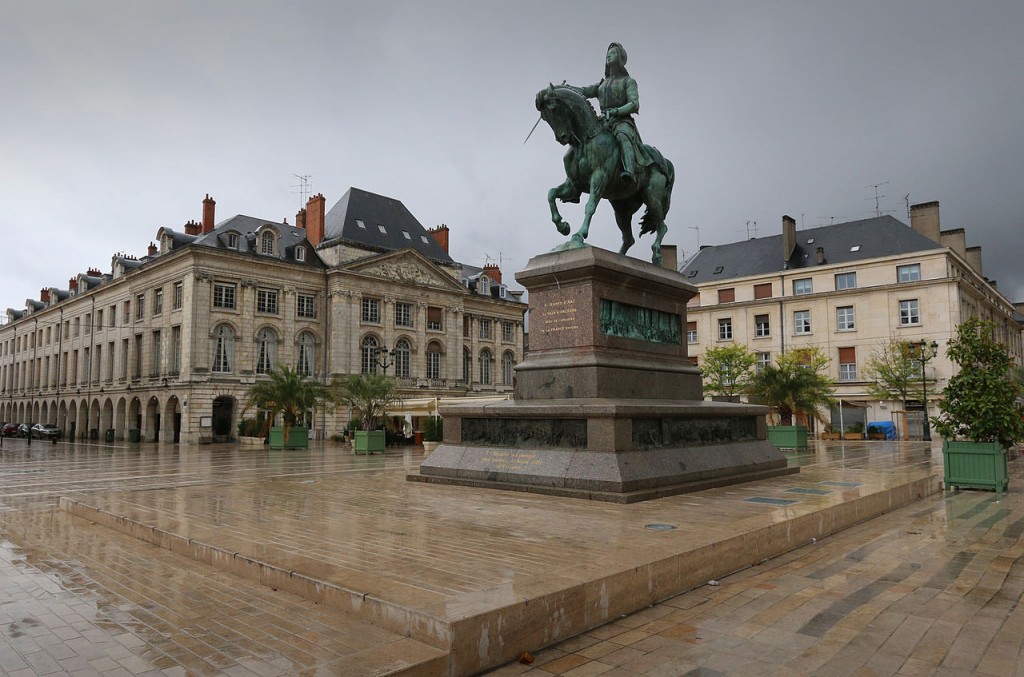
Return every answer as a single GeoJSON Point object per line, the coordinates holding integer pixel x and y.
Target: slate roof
{"type": "Point", "coordinates": [401, 230]}
{"type": "Point", "coordinates": [842, 243]}
{"type": "Point", "coordinates": [246, 227]}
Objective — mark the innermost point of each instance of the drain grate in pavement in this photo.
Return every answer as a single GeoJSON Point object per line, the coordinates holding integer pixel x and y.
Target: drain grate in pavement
{"type": "Point", "coordinates": [770, 501]}
{"type": "Point", "coordinates": [809, 492]}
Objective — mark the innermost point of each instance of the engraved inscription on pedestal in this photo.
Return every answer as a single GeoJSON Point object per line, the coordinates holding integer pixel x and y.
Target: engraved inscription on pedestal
{"type": "Point", "coordinates": [558, 316]}
{"type": "Point", "coordinates": [511, 461]}
{"type": "Point", "coordinates": [635, 322]}
{"type": "Point", "coordinates": [651, 433]}
{"type": "Point", "coordinates": [525, 432]}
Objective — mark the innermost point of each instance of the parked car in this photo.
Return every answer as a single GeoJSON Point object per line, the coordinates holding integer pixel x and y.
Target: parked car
{"type": "Point", "coordinates": [23, 429]}
{"type": "Point", "coordinates": [45, 431]}
{"type": "Point", "coordinates": [9, 430]}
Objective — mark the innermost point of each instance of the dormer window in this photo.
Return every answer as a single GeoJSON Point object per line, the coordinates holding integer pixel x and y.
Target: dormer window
{"type": "Point", "coordinates": [423, 238]}
{"type": "Point", "coordinates": [300, 253]}
{"type": "Point", "coordinates": [382, 229]}
{"type": "Point", "coordinates": [359, 222]}
{"type": "Point", "coordinates": [267, 243]}
{"type": "Point", "coordinates": [232, 240]}
{"type": "Point", "coordinates": [484, 285]}
{"type": "Point", "coordinates": [406, 235]}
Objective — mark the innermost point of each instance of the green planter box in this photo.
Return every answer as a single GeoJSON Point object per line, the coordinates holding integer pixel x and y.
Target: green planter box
{"type": "Point", "coordinates": [298, 438]}
{"type": "Point", "coordinates": [788, 436]}
{"type": "Point", "coordinates": [974, 465]}
{"type": "Point", "coordinates": [369, 441]}
{"type": "Point", "coordinates": [134, 435]}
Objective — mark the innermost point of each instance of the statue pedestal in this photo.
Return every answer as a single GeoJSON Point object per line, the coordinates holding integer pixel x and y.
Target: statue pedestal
{"type": "Point", "coordinates": [607, 404]}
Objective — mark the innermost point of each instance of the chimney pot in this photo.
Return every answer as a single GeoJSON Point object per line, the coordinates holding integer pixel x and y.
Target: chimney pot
{"type": "Point", "coordinates": [209, 211]}
{"type": "Point", "coordinates": [44, 295]}
{"type": "Point", "coordinates": [152, 250]}
{"type": "Point", "coordinates": [440, 235]}
{"type": "Point", "coordinates": [788, 237]}
{"type": "Point", "coordinates": [315, 210]}
{"type": "Point", "coordinates": [73, 284]}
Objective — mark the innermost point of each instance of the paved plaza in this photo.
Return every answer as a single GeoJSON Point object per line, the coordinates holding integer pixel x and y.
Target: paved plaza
{"type": "Point", "coordinates": [219, 559]}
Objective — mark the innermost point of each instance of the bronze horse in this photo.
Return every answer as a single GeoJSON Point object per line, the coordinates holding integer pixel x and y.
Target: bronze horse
{"type": "Point", "coordinates": [592, 165]}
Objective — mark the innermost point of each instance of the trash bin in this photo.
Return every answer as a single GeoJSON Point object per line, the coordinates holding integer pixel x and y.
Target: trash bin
{"type": "Point", "coordinates": [134, 435]}
{"type": "Point", "coordinates": [417, 438]}
{"type": "Point", "coordinates": [110, 434]}
{"type": "Point", "coordinates": [94, 434]}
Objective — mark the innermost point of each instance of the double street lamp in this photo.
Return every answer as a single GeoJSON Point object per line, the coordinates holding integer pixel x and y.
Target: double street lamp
{"type": "Point", "coordinates": [925, 353]}
{"type": "Point", "coordinates": [381, 359]}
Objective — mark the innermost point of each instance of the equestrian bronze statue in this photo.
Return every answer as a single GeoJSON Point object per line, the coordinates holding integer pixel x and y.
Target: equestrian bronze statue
{"type": "Point", "coordinates": [606, 157]}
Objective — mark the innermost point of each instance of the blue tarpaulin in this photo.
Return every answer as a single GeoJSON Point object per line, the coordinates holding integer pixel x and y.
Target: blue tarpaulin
{"type": "Point", "coordinates": [886, 427]}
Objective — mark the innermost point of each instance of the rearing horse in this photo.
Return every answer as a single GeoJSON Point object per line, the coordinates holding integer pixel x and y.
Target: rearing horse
{"type": "Point", "coordinates": [592, 165]}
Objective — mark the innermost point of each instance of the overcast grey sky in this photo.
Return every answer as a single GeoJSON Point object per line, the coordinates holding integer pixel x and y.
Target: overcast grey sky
{"type": "Point", "coordinates": [120, 116]}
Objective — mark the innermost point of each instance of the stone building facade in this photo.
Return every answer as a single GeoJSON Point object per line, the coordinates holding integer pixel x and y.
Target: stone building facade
{"type": "Point", "coordinates": [165, 347]}
{"type": "Point", "coordinates": [848, 289]}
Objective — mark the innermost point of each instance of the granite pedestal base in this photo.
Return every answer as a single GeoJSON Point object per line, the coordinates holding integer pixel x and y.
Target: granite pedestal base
{"type": "Point", "coordinates": [621, 451]}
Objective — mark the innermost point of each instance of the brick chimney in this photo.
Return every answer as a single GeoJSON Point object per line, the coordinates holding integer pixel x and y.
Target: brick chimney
{"type": "Point", "coordinates": [788, 237]}
{"type": "Point", "coordinates": [209, 210]}
{"type": "Point", "coordinates": [152, 249]}
{"type": "Point", "coordinates": [94, 272]}
{"type": "Point", "coordinates": [73, 284]}
{"type": "Point", "coordinates": [44, 295]}
{"type": "Point", "coordinates": [300, 218]}
{"type": "Point", "coordinates": [440, 235]}
{"type": "Point", "coordinates": [924, 219]}
{"type": "Point", "coordinates": [314, 218]}
{"type": "Point", "coordinates": [492, 271]}
{"type": "Point", "coordinates": [193, 228]}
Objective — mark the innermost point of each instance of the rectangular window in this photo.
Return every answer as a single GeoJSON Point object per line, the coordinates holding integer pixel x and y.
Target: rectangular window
{"type": "Point", "coordinates": [124, 359]}
{"type": "Point", "coordinates": [691, 332]}
{"type": "Point", "coordinates": [110, 362]}
{"type": "Point", "coordinates": [305, 306]}
{"type": "Point", "coordinates": [802, 286]}
{"type": "Point", "coordinates": [727, 295]}
{"type": "Point", "coordinates": [266, 301]}
{"type": "Point", "coordinates": [763, 360]}
{"type": "Point", "coordinates": [78, 322]}
{"type": "Point", "coordinates": [508, 332]}
{"type": "Point", "coordinates": [466, 321]}
{"type": "Point", "coordinates": [908, 273]}
{"type": "Point", "coordinates": [371, 310]}
{"type": "Point", "coordinates": [138, 357]}
{"type": "Point", "coordinates": [845, 318]}
{"type": "Point", "coordinates": [802, 322]}
{"type": "Point", "coordinates": [725, 329]}
{"type": "Point", "coordinates": [909, 313]}
{"type": "Point", "coordinates": [158, 301]}
{"type": "Point", "coordinates": [179, 295]}
{"type": "Point", "coordinates": [175, 350]}
{"type": "Point", "coordinates": [126, 315]}
{"type": "Point", "coordinates": [88, 323]}
{"type": "Point", "coordinates": [762, 326]}
{"type": "Point", "coordinates": [140, 306]}
{"type": "Point", "coordinates": [112, 314]}
{"type": "Point", "coordinates": [154, 367]}
{"type": "Point", "coordinates": [847, 364]}
{"type": "Point", "coordinates": [403, 314]}
{"type": "Point", "coordinates": [433, 364]}
{"type": "Point", "coordinates": [99, 319]}
{"type": "Point", "coordinates": [763, 291]}
{"type": "Point", "coordinates": [223, 296]}
{"type": "Point", "coordinates": [434, 319]}
{"type": "Point", "coordinates": [846, 281]}
{"type": "Point", "coordinates": [485, 329]}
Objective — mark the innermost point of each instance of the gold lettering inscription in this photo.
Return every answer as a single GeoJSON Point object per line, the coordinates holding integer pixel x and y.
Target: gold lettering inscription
{"type": "Point", "coordinates": [559, 316]}
{"type": "Point", "coordinates": [511, 461]}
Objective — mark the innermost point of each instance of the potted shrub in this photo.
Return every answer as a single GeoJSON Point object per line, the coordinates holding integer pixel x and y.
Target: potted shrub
{"type": "Point", "coordinates": [980, 413]}
{"type": "Point", "coordinates": [854, 431]}
{"type": "Point", "coordinates": [796, 385]}
{"type": "Point", "coordinates": [433, 433]}
{"type": "Point", "coordinates": [875, 433]}
{"type": "Point", "coordinates": [370, 395]}
{"type": "Point", "coordinates": [829, 434]}
{"type": "Point", "coordinates": [290, 394]}
{"type": "Point", "coordinates": [250, 431]}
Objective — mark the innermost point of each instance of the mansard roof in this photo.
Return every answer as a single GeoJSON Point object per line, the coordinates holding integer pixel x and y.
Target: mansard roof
{"type": "Point", "coordinates": [379, 223]}
{"type": "Point", "coordinates": [841, 243]}
{"type": "Point", "coordinates": [248, 229]}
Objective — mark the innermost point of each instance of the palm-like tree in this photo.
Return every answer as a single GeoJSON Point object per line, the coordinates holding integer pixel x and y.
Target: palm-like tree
{"type": "Point", "coordinates": [796, 384]}
{"type": "Point", "coordinates": [289, 393]}
{"type": "Point", "coordinates": [369, 394]}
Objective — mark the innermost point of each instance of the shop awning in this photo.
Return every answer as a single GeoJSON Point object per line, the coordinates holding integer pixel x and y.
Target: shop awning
{"type": "Point", "coordinates": [427, 406]}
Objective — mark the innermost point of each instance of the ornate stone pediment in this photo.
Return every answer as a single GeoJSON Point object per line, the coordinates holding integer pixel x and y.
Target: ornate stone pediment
{"type": "Point", "coordinates": [409, 268]}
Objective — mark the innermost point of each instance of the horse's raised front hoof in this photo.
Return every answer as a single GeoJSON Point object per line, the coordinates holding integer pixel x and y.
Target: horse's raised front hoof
{"type": "Point", "coordinates": [563, 227]}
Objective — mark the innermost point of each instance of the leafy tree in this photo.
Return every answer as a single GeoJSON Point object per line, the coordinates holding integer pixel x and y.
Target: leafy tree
{"type": "Point", "coordinates": [796, 384]}
{"type": "Point", "coordinates": [892, 372]}
{"type": "Point", "coordinates": [370, 394]}
{"type": "Point", "coordinates": [286, 392]}
{"type": "Point", "coordinates": [982, 401]}
{"type": "Point", "coordinates": [727, 369]}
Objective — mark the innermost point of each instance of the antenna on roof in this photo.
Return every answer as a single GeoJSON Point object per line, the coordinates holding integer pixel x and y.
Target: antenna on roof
{"type": "Point", "coordinates": [305, 188]}
{"type": "Point", "coordinates": [488, 259]}
{"type": "Point", "coordinates": [831, 219]}
{"type": "Point", "coordinates": [697, 228]}
{"type": "Point", "coordinates": [876, 186]}
{"type": "Point", "coordinates": [906, 199]}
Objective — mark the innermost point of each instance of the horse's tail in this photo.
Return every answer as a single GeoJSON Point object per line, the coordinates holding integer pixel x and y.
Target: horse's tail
{"type": "Point", "coordinates": [668, 169]}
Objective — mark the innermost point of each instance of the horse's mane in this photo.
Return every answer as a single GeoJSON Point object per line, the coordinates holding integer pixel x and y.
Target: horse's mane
{"type": "Point", "coordinates": [573, 96]}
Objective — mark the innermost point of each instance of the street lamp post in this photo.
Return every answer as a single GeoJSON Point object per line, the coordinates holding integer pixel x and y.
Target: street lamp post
{"type": "Point", "coordinates": [380, 357]}
{"type": "Point", "coordinates": [925, 352]}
